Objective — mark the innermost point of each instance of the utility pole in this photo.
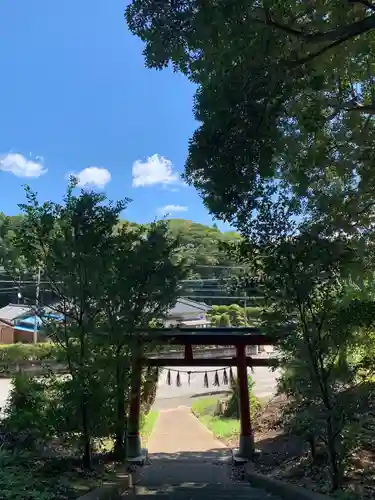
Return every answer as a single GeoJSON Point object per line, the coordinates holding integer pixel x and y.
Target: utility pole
{"type": "Point", "coordinates": [19, 295]}
{"type": "Point", "coordinates": [244, 310]}
{"type": "Point", "coordinates": [35, 336]}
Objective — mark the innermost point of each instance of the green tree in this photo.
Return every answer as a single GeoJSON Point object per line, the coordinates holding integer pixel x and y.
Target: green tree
{"type": "Point", "coordinates": [141, 286]}
{"type": "Point", "coordinates": [223, 320]}
{"type": "Point", "coordinates": [202, 247]}
{"type": "Point", "coordinates": [305, 280]}
{"type": "Point", "coordinates": [237, 315]}
{"type": "Point", "coordinates": [73, 245]}
{"type": "Point", "coordinates": [3, 232]}
{"type": "Point", "coordinates": [8, 255]}
{"type": "Point", "coordinates": [110, 280]}
{"type": "Point", "coordinates": [285, 93]}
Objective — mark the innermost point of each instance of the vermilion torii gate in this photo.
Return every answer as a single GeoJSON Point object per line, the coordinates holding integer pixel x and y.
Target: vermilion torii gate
{"type": "Point", "coordinates": [240, 338]}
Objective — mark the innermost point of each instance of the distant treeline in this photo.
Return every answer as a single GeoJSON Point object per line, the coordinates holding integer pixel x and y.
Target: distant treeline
{"type": "Point", "coordinates": [201, 247]}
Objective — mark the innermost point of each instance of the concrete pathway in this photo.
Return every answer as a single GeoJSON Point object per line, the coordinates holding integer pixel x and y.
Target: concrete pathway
{"type": "Point", "coordinates": [180, 431]}
{"type": "Point", "coordinates": [187, 462]}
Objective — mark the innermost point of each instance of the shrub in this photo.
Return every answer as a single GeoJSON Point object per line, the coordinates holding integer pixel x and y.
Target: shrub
{"type": "Point", "coordinates": [25, 412]}
{"type": "Point", "coordinates": [17, 353]}
{"type": "Point", "coordinates": [235, 315]}
{"type": "Point", "coordinates": [232, 409]}
{"type": "Point", "coordinates": [40, 408]}
{"type": "Point", "coordinates": [148, 392]}
{"type": "Point", "coordinates": [22, 479]}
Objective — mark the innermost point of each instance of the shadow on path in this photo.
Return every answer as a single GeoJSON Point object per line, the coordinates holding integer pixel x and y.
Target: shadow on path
{"type": "Point", "coordinates": [212, 466]}
{"type": "Point", "coordinates": [187, 462]}
{"type": "Point", "coordinates": [195, 475]}
{"type": "Point", "coordinates": [223, 392]}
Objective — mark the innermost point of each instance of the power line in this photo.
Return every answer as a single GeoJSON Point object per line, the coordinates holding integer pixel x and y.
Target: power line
{"type": "Point", "coordinates": [214, 297]}
{"type": "Point", "coordinates": [218, 266]}
{"type": "Point", "coordinates": [29, 282]}
{"type": "Point", "coordinates": [203, 289]}
{"type": "Point", "coordinates": [204, 279]}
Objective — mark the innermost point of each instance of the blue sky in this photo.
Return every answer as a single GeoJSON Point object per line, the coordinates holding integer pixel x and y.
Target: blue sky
{"type": "Point", "coordinates": [76, 98]}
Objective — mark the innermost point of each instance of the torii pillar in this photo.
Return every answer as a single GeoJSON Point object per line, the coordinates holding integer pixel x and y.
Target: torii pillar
{"type": "Point", "coordinates": [246, 450]}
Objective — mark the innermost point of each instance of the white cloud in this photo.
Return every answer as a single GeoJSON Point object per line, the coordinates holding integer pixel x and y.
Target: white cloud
{"type": "Point", "coordinates": [170, 209]}
{"type": "Point", "coordinates": [155, 170]}
{"type": "Point", "coordinates": [93, 177]}
{"type": "Point", "coordinates": [20, 166]}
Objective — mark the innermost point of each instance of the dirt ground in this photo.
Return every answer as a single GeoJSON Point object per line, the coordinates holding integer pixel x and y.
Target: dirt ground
{"type": "Point", "coordinates": [287, 457]}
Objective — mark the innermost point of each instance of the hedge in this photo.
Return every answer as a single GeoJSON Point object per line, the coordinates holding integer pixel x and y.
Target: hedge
{"type": "Point", "coordinates": [17, 353]}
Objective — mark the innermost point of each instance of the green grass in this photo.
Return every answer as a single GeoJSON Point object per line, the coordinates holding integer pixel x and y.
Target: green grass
{"type": "Point", "coordinates": [148, 425]}
{"type": "Point", "coordinates": [222, 428]}
{"type": "Point", "coordinates": [205, 406]}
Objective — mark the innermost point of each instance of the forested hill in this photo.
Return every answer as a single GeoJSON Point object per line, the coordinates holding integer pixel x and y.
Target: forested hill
{"type": "Point", "coordinates": [202, 247]}
{"type": "Point", "coordinates": [201, 244]}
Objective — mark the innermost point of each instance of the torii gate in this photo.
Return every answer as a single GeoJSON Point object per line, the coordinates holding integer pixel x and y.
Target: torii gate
{"type": "Point", "coordinates": [240, 338]}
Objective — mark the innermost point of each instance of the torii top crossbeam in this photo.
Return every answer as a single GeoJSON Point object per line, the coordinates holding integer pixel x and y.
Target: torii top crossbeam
{"type": "Point", "coordinates": [214, 336]}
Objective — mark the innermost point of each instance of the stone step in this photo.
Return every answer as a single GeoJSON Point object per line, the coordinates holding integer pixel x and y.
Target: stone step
{"type": "Point", "coordinates": [237, 491]}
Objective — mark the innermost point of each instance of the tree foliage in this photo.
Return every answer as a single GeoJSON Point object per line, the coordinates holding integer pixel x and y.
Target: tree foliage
{"type": "Point", "coordinates": [285, 93]}
{"type": "Point", "coordinates": [72, 244]}
{"type": "Point", "coordinates": [200, 248]}
{"type": "Point", "coordinates": [234, 315]}
{"type": "Point", "coordinates": [307, 283]}
{"type": "Point", "coordinates": [284, 151]}
{"type": "Point", "coordinates": [108, 281]}
{"type": "Point", "coordinates": [232, 409]}
{"type": "Point", "coordinates": [140, 286]}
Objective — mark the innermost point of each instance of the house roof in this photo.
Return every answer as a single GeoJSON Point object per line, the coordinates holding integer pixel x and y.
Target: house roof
{"type": "Point", "coordinates": [14, 311]}
{"type": "Point", "coordinates": [182, 307]}
{"type": "Point", "coordinates": [31, 320]}
{"type": "Point", "coordinates": [4, 322]}
{"type": "Point", "coordinates": [187, 306]}
{"type": "Point", "coordinates": [24, 328]}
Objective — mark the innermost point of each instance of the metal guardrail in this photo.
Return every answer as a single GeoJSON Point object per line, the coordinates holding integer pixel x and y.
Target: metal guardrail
{"type": "Point", "coordinates": [44, 366]}
{"type": "Point", "coordinates": [217, 352]}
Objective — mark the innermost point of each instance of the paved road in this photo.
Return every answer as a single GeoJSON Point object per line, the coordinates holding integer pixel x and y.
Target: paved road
{"type": "Point", "coordinates": [5, 386]}
{"type": "Point", "coordinates": [173, 396]}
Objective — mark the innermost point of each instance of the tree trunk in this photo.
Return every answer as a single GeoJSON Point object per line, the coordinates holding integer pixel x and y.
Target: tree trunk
{"type": "Point", "coordinates": [312, 443]}
{"type": "Point", "coordinates": [85, 417]}
{"type": "Point", "coordinates": [333, 457]}
{"type": "Point", "coordinates": [120, 427]}
{"type": "Point", "coordinates": [86, 438]}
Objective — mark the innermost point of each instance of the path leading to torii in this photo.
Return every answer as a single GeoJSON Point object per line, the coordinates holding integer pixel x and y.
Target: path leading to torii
{"type": "Point", "coordinates": [187, 462]}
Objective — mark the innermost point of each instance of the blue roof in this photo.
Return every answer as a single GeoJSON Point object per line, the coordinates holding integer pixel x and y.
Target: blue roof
{"type": "Point", "coordinates": [24, 328]}
{"type": "Point", "coordinates": [24, 323]}
{"type": "Point", "coordinates": [31, 320]}
{"type": "Point", "coordinates": [54, 316]}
